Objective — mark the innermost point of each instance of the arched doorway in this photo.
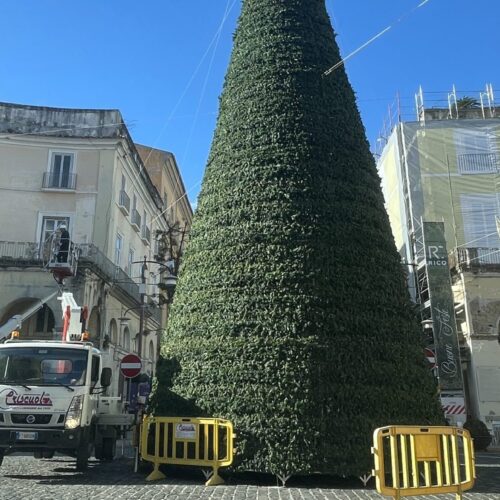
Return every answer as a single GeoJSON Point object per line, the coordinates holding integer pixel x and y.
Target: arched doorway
{"type": "Point", "coordinates": [41, 324]}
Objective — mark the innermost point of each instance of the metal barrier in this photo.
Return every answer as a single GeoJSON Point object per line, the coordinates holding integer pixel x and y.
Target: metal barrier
{"type": "Point", "coordinates": [205, 442]}
{"type": "Point", "coordinates": [423, 460]}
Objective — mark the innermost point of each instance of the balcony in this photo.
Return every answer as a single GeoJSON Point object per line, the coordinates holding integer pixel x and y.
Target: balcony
{"type": "Point", "coordinates": [91, 257]}
{"type": "Point", "coordinates": [481, 163]}
{"type": "Point", "coordinates": [20, 254]}
{"type": "Point", "coordinates": [476, 259]}
{"type": "Point", "coordinates": [136, 220]}
{"type": "Point", "coordinates": [29, 255]}
{"type": "Point", "coordinates": [58, 181]}
{"type": "Point", "coordinates": [146, 235]}
{"type": "Point", "coordinates": [124, 202]}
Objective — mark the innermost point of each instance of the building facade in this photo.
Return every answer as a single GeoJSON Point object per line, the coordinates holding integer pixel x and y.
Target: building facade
{"type": "Point", "coordinates": [441, 181]}
{"type": "Point", "coordinates": [80, 168]}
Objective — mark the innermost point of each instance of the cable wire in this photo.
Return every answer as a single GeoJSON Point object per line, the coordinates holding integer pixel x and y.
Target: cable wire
{"type": "Point", "coordinates": [371, 40]}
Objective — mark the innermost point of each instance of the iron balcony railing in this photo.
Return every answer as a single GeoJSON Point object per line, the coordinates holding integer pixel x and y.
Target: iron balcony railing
{"type": "Point", "coordinates": [52, 180]}
{"type": "Point", "coordinates": [20, 252]}
{"type": "Point", "coordinates": [146, 234]}
{"type": "Point", "coordinates": [136, 219]}
{"type": "Point", "coordinates": [27, 254]}
{"type": "Point", "coordinates": [124, 201]}
{"type": "Point", "coordinates": [476, 258]}
{"type": "Point", "coordinates": [91, 255]}
{"type": "Point", "coordinates": [480, 163]}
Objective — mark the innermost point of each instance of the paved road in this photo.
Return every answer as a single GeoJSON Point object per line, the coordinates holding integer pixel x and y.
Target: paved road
{"type": "Point", "coordinates": [26, 478]}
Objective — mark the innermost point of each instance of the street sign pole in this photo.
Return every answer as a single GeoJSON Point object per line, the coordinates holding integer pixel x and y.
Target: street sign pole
{"type": "Point", "coordinates": [131, 366]}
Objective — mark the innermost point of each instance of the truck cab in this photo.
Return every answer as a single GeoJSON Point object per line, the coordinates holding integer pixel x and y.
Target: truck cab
{"type": "Point", "coordinates": [53, 399]}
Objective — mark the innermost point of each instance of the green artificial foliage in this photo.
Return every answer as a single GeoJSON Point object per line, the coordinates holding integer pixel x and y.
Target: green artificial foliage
{"type": "Point", "coordinates": [479, 433]}
{"type": "Point", "coordinates": [291, 316]}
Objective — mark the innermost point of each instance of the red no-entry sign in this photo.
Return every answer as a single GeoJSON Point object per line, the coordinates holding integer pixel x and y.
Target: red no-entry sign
{"type": "Point", "coordinates": [130, 366]}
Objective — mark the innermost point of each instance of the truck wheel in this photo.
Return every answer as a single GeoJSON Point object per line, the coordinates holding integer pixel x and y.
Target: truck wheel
{"type": "Point", "coordinates": [108, 448]}
{"type": "Point", "coordinates": [82, 458]}
{"type": "Point", "coordinates": [83, 453]}
{"type": "Point", "coordinates": [98, 453]}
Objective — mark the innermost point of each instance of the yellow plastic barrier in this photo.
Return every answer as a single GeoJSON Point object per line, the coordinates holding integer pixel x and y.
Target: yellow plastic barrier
{"type": "Point", "coordinates": [205, 442]}
{"type": "Point", "coordinates": [423, 460]}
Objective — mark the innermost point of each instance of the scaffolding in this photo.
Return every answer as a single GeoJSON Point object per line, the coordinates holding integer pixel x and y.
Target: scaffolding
{"type": "Point", "coordinates": [440, 105]}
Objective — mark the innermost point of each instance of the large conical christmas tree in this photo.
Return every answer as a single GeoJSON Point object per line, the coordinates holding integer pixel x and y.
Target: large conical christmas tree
{"type": "Point", "coordinates": [291, 316]}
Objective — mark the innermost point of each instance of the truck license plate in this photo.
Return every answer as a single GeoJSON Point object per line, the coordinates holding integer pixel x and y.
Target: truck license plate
{"type": "Point", "coordinates": [27, 436]}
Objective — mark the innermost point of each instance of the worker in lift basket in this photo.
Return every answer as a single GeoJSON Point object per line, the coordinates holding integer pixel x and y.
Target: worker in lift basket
{"type": "Point", "coordinates": [64, 242]}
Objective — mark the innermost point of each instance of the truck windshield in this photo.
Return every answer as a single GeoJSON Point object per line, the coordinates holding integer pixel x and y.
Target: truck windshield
{"type": "Point", "coordinates": [42, 366]}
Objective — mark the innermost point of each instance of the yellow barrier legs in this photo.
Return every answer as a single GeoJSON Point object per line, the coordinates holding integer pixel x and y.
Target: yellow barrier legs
{"type": "Point", "coordinates": [215, 479]}
{"type": "Point", "coordinates": [156, 475]}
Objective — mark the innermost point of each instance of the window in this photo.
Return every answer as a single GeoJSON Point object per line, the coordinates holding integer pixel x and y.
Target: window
{"type": "Point", "coordinates": [126, 339]}
{"type": "Point", "coordinates": [136, 218]}
{"type": "Point", "coordinates": [50, 225]}
{"type": "Point", "coordinates": [61, 171]}
{"type": "Point", "coordinates": [136, 341]}
{"type": "Point", "coordinates": [123, 198]}
{"type": "Point", "coordinates": [113, 332]}
{"type": "Point", "coordinates": [165, 199]}
{"type": "Point", "coordinates": [43, 366]}
{"type": "Point", "coordinates": [145, 219]}
{"type": "Point", "coordinates": [130, 261]}
{"type": "Point", "coordinates": [474, 151]}
{"type": "Point", "coordinates": [480, 227]}
{"type": "Point", "coordinates": [48, 237]}
{"type": "Point", "coordinates": [118, 249]}
{"type": "Point", "coordinates": [152, 351]}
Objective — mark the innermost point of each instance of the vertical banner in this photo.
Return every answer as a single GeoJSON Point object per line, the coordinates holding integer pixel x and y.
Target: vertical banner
{"type": "Point", "coordinates": [442, 308]}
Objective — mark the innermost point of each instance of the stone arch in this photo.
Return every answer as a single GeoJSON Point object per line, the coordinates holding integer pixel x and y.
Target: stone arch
{"type": "Point", "coordinates": [113, 332]}
{"type": "Point", "coordinates": [40, 324]}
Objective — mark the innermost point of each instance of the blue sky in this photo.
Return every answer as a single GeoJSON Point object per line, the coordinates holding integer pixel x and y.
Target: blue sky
{"type": "Point", "coordinates": [161, 63]}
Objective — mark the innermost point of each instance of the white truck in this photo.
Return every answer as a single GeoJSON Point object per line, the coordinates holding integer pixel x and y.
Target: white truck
{"type": "Point", "coordinates": [53, 399]}
{"type": "Point", "coordinates": [54, 393]}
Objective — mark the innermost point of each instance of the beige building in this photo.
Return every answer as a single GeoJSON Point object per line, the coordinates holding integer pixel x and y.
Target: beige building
{"type": "Point", "coordinates": [81, 168]}
{"type": "Point", "coordinates": [443, 169]}
{"type": "Point", "coordinates": [164, 172]}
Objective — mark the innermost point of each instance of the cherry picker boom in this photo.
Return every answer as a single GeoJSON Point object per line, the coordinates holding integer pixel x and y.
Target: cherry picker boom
{"type": "Point", "coordinates": [56, 395]}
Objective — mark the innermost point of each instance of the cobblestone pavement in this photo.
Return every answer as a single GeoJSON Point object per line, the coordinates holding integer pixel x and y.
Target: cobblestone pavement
{"type": "Point", "coordinates": [26, 478]}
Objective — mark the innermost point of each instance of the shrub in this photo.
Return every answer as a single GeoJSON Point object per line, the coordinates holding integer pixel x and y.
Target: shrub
{"type": "Point", "coordinates": [479, 432]}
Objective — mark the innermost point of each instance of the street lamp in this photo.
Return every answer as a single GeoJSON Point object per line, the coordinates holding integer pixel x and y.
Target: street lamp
{"type": "Point", "coordinates": [170, 284]}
